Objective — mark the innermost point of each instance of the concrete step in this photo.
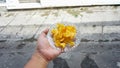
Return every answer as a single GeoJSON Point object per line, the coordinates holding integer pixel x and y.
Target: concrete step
{"type": "Point", "coordinates": [88, 32]}
{"type": "Point", "coordinates": [51, 16]}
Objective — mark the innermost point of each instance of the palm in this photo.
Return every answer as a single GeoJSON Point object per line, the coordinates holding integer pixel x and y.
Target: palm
{"type": "Point", "coordinates": [44, 47]}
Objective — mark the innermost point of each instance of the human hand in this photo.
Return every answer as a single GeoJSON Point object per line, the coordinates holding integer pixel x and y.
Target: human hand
{"type": "Point", "coordinates": [44, 48]}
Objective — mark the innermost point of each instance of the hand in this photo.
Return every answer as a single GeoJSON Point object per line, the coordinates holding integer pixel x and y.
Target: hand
{"type": "Point", "coordinates": [44, 48]}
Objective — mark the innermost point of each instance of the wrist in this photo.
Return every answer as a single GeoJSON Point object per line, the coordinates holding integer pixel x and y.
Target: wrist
{"type": "Point", "coordinates": [36, 61]}
{"type": "Point", "coordinates": [38, 57]}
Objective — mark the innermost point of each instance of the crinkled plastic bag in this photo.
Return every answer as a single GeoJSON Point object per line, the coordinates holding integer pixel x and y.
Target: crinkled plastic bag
{"type": "Point", "coordinates": [67, 48]}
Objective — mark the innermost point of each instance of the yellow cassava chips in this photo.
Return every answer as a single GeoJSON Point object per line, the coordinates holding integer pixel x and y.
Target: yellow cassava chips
{"type": "Point", "coordinates": [63, 35]}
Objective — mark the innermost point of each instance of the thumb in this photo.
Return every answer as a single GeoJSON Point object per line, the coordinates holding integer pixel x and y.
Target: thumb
{"type": "Point", "coordinates": [44, 32]}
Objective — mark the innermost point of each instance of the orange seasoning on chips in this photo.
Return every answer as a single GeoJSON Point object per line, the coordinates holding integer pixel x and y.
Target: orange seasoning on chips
{"type": "Point", "coordinates": [63, 35]}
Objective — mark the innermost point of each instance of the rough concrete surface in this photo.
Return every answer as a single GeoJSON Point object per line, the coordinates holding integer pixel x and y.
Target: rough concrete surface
{"type": "Point", "coordinates": [99, 28]}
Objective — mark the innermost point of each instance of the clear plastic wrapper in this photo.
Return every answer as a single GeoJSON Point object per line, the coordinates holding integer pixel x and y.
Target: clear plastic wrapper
{"type": "Point", "coordinates": [67, 48]}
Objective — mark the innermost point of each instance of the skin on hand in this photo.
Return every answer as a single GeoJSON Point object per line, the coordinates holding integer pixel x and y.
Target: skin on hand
{"type": "Point", "coordinates": [43, 53]}
{"type": "Point", "coordinates": [44, 48]}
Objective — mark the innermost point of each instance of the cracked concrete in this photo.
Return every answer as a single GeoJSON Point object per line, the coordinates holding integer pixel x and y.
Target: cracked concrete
{"type": "Point", "coordinates": [99, 33]}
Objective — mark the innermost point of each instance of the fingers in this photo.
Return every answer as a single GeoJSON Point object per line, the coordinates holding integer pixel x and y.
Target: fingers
{"type": "Point", "coordinates": [57, 52]}
{"type": "Point", "coordinates": [61, 51]}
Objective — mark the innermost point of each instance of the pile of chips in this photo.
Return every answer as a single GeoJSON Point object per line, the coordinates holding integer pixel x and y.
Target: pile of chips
{"type": "Point", "coordinates": [64, 35]}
